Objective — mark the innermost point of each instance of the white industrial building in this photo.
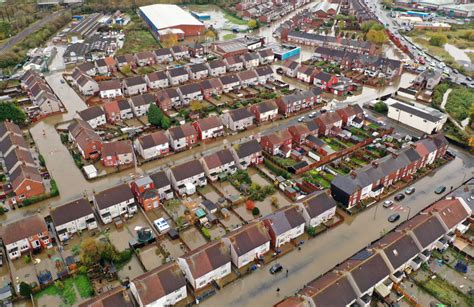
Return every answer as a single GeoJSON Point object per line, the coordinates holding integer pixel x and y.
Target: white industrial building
{"type": "Point", "coordinates": [416, 115]}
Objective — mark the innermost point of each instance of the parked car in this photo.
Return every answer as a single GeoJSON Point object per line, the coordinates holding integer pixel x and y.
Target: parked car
{"type": "Point", "coordinates": [410, 191]}
{"type": "Point", "coordinates": [161, 225]}
{"type": "Point", "coordinates": [440, 189]}
{"type": "Point", "coordinates": [301, 119]}
{"type": "Point", "coordinates": [276, 268]}
{"type": "Point", "coordinates": [394, 217]}
{"type": "Point", "coordinates": [387, 203]}
{"type": "Point", "coordinates": [399, 197]}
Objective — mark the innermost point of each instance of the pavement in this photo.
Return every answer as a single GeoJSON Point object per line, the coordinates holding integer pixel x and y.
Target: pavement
{"type": "Point", "coordinates": [31, 29]}
{"type": "Point", "coordinates": [332, 247]}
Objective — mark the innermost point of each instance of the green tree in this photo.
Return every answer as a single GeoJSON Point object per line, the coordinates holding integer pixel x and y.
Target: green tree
{"type": "Point", "coordinates": [438, 40]}
{"type": "Point", "coordinates": [25, 289]}
{"type": "Point", "coordinates": [377, 36]}
{"type": "Point", "coordinates": [381, 107]}
{"type": "Point", "coordinates": [252, 24]}
{"type": "Point", "coordinates": [155, 115]}
{"type": "Point", "coordinates": [9, 110]}
{"type": "Point", "coordinates": [342, 24]}
{"type": "Point", "coordinates": [165, 123]}
{"type": "Point", "coordinates": [366, 26]}
{"type": "Point", "coordinates": [196, 105]}
{"type": "Point", "coordinates": [255, 211]}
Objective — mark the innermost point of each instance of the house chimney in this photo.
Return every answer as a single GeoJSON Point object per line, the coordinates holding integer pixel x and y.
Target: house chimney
{"type": "Point", "coordinates": [375, 164]}
{"type": "Point", "coordinates": [353, 174]}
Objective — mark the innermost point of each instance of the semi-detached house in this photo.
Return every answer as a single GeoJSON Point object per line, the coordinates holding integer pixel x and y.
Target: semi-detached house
{"type": "Point", "coordinates": [189, 92]}
{"type": "Point", "coordinates": [162, 185]}
{"type": "Point", "coordinates": [187, 176]}
{"type": "Point", "coordinates": [230, 82]}
{"type": "Point", "coordinates": [141, 103]}
{"type": "Point", "coordinates": [198, 71]}
{"type": "Point", "coordinates": [248, 78]}
{"type": "Point", "coordinates": [178, 75]}
{"type": "Point", "coordinates": [152, 145]}
{"type": "Point", "coordinates": [87, 141]}
{"type": "Point", "coordinates": [209, 263]}
{"type": "Point", "coordinates": [211, 87]}
{"type": "Point", "coordinates": [117, 153]}
{"type": "Point", "coordinates": [29, 234]}
{"type": "Point", "coordinates": [94, 116]}
{"type": "Point", "coordinates": [163, 286]}
{"type": "Point", "coordinates": [219, 163]}
{"type": "Point", "coordinates": [73, 217]}
{"type": "Point", "coordinates": [134, 85]}
{"type": "Point", "coordinates": [163, 55]}
{"type": "Point", "coordinates": [182, 137]}
{"type": "Point", "coordinates": [265, 111]}
{"type": "Point", "coordinates": [299, 101]}
{"type": "Point", "coordinates": [284, 225]}
{"type": "Point", "coordinates": [157, 79]}
{"type": "Point", "coordinates": [110, 89]}
{"type": "Point", "coordinates": [248, 154]}
{"type": "Point", "coordinates": [265, 74]}
{"type": "Point", "coordinates": [317, 208]}
{"type": "Point", "coordinates": [217, 68]}
{"type": "Point", "coordinates": [248, 243]}
{"type": "Point", "coordinates": [115, 202]}
{"type": "Point", "coordinates": [209, 127]}
{"type": "Point", "coordinates": [238, 119]}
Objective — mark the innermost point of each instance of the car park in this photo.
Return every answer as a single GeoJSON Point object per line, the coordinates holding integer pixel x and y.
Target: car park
{"type": "Point", "coordinates": [410, 191]}
{"type": "Point", "coordinates": [394, 217]}
{"type": "Point", "coordinates": [276, 268]}
{"type": "Point", "coordinates": [387, 203]}
{"type": "Point", "coordinates": [161, 225]}
{"type": "Point", "coordinates": [440, 189]}
{"type": "Point", "coordinates": [399, 197]}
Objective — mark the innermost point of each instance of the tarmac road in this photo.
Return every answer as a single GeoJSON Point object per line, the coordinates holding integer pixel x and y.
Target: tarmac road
{"type": "Point", "coordinates": [334, 246]}
{"type": "Point", "coordinates": [31, 29]}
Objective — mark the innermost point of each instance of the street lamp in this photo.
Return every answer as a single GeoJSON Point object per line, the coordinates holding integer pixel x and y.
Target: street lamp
{"type": "Point", "coordinates": [409, 210]}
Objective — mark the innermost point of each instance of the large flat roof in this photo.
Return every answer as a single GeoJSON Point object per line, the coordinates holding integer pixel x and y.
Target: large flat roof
{"type": "Point", "coordinates": [168, 15]}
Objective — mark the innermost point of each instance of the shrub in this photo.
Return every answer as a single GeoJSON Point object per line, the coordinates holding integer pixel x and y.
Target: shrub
{"type": "Point", "coordinates": [311, 231]}
{"type": "Point", "coordinates": [438, 40]}
{"type": "Point", "coordinates": [205, 233]}
{"type": "Point", "coordinates": [249, 204]}
{"type": "Point", "coordinates": [255, 211]}
{"type": "Point", "coordinates": [381, 107]}
{"type": "Point", "coordinates": [275, 169]}
{"type": "Point", "coordinates": [25, 289]}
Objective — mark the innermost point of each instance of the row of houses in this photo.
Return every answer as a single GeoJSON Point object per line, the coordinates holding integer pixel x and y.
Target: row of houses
{"type": "Point", "coordinates": [268, 11]}
{"type": "Point", "coordinates": [83, 80]}
{"type": "Point", "coordinates": [41, 95]}
{"type": "Point", "coordinates": [20, 167]}
{"type": "Point", "coordinates": [376, 268]}
{"type": "Point", "coordinates": [371, 180]}
{"type": "Point", "coordinates": [391, 68]}
{"type": "Point", "coordinates": [335, 42]}
{"type": "Point", "coordinates": [327, 124]}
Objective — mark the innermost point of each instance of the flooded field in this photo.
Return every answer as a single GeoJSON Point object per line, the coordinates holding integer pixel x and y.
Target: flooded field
{"type": "Point", "coordinates": [174, 247]}
{"type": "Point", "coordinates": [151, 257]}
{"type": "Point", "coordinates": [232, 221]}
{"type": "Point", "coordinates": [132, 269]}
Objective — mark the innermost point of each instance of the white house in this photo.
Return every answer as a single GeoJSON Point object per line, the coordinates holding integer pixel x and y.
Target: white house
{"type": "Point", "coordinates": [152, 145]}
{"type": "Point", "coordinates": [186, 177]}
{"type": "Point", "coordinates": [162, 185]}
{"type": "Point", "coordinates": [238, 119]}
{"type": "Point", "coordinates": [317, 208]}
{"type": "Point", "coordinates": [157, 79]}
{"type": "Point", "coordinates": [182, 137]}
{"type": "Point", "coordinates": [94, 116]}
{"type": "Point", "coordinates": [247, 243]}
{"type": "Point", "coordinates": [25, 235]}
{"type": "Point", "coordinates": [163, 286]}
{"type": "Point", "coordinates": [220, 162]}
{"type": "Point", "coordinates": [217, 68]}
{"type": "Point", "coordinates": [418, 116]}
{"type": "Point", "coordinates": [211, 262]}
{"type": "Point", "coordinates": [251, 60]}
{"type": "Point", "coordinates": [284, 225]}
{"type": "Point", "coordinates": [230, 82]}
{"type": "Point", "coordinates": [115, 202]}
{"type": "Point", "coordinates": [110, 89]}
{"type": "Point", "coordinates": [141, 103]}
{"type": "Point", "coordinates": [73, 217]}
{"type": "Point", "coordinates": [198, 71]}
{"type": "Point", "coordinates": [209, 127]}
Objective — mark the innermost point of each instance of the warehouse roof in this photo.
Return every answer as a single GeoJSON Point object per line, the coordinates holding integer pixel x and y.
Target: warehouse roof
{"type": "Point", "coordinates": [167, 15]}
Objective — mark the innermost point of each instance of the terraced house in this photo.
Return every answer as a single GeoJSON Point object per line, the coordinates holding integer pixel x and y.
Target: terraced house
{"type": "Point", "coordinates": [371, 180]}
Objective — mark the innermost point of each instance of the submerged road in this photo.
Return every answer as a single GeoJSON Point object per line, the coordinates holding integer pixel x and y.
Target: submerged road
{"type": "Point", "coordinates": [321, 254]}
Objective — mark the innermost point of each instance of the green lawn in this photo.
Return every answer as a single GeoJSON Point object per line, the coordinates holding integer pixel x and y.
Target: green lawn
{"type": "Point", "coordinates": [229, 36]}
{"type": "Point", "coordinates": [286, 162]}
{"type": "Point", "coordinates": [233, 19]}
{"type": "Point", "coordinates": [65, 289]}
{"type": "Point", "coordinates": [138, 40]}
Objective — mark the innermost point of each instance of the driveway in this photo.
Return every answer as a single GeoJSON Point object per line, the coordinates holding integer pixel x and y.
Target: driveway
{"type": "Point", "coordinates": [326, 251]}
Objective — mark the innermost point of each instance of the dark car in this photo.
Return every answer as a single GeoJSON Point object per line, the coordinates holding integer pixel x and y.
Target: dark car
{"type": "Point", "coordinates": [440, 189]}
{"type": "Point", "coordinates": [276, 268]}
{"type": "Point", "coordinates": [399, 197]}
{"type": "Point", "coordinates": [394, 217]}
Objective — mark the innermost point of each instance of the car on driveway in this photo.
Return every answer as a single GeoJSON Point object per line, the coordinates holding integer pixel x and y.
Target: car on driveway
{"type": "Point", "coordinates": [440, 189]}
{"type": "Point", "coordinates": [399, 197]}
{"type": "Point", "coordinates": [387, 203]}
{"type": "Point", "coordinates": [410, 191]}
{"type": "Point", "coordinates": [276, 268]}
{"type": "Point", "coordinates": [394, 217]}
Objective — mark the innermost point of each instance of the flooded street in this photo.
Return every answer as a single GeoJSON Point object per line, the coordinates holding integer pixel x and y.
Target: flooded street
{"type": "Point", "coordinates": [456, 53]}
{"type": "Point", "coordinates": [321, 254]}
